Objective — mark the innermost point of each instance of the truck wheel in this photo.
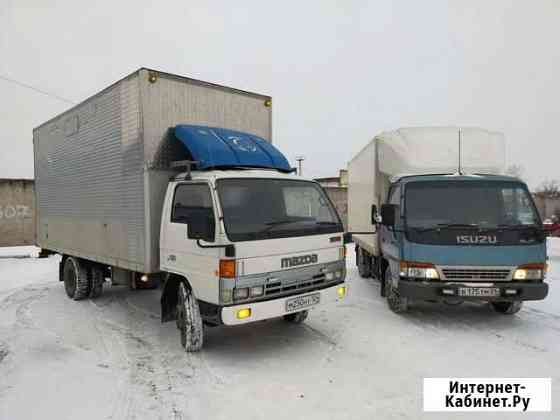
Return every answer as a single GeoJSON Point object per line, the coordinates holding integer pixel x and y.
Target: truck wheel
{"type": "Point", "coordinates": [97, 276]}
{"type": "Point", "coordinates": [296, 318]}
{"type": "Point", "coordinates": [189, 320]}
{"type": "Point", "coordinates": [508, 308]}
{"type": "Point", "coordinates": [397, 304]}
{"type": "Point", "coordinates": [364, 263]}
{"type": "Point", "coordinates": [76, 279]}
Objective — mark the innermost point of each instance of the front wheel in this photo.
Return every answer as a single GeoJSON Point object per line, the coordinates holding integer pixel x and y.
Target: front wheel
{"type": "Point", "coordinates": [296, 318]}
{"type": "Point", "coordinates": [397, 303]}
{"type": "Point", "coordinates": [363, 261]}
{"type": "Point", "coordinates": [507, 308]}
{"type": "Point", "coordinates": [189, 320]}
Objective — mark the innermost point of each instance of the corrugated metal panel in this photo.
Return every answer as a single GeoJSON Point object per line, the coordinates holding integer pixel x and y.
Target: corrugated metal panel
{"type": "Point", "coordinates": [101, 168]}
{"type": "Point", "coordinates": [172, 100]}
{"type": "Point", "coordinates": [17, 212]}
{"type": "Point", "coordinates": [89, 179]}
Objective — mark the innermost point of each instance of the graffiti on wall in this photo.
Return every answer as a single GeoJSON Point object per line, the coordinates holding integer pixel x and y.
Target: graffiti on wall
{"type": "Point", "coordinates": [17, 211]}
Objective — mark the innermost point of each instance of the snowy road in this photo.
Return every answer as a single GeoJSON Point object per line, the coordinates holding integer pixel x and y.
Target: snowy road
{"type": "Point", "coordinates": [112, 358]}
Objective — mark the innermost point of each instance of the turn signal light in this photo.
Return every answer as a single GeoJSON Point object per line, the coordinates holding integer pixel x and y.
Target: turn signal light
{"type": "Point", "coordinates": [227, 269]}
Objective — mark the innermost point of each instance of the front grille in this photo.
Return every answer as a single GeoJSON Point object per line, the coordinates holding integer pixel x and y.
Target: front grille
{"type": "Point", "coordinates": [279, 287]}
{"type": "Point", "coordinates": [476, 273]}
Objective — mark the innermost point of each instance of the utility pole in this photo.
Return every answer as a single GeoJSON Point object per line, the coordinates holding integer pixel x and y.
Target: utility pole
{"type": "Point", "coordinates": [300, 159]}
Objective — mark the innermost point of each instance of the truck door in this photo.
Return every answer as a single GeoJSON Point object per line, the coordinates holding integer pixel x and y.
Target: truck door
{"type": "Point", "coordinates": [182, 255]}
{"type": "Point", "coordinates": [390, 237]}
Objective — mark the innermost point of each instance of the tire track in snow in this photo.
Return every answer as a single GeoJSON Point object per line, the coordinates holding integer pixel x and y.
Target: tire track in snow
{"type": "Point", "coordinates": [149, 371]}
{"type": "Point", "coordinates": [451, 324]}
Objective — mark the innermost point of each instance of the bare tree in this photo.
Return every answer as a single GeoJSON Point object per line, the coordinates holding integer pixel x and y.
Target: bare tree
{"type": "Point", "coordinates": [549, 189]}
{"type": "Point", "coordinates": [515, 170]}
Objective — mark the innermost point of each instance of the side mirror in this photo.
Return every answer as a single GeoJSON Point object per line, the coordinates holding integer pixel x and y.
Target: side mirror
{"type": "Point", "coordinates": [388, 214]}
{"type": "Point", "coordinates": [347, 238]}
{"type": "Point", "coordinates": [201, 226]}
{"type": "Point", "coordinates": [374, 217]}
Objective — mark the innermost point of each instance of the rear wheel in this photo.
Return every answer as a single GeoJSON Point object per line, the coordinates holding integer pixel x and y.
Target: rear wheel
{"type": "Point", "coordinates": [189, 320]}
{"type": "Point", "coordinates": [363, 261]}
{"type": "Point", "coordinates": [296, 318]}
{"type": "Point", "coordinates": [76, 279]}
{"type": "Point", "coordinates": [397, 303]}
{"type": "Point", "coordinates": [508, 308]}
{"type": "Point", "coordinates": [97, 277]}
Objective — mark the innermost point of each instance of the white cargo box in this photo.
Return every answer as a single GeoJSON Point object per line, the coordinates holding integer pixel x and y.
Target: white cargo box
{"type": "Point", "coordinates": [436, 150]}
{"type": "Point", "coordinates": [415, 151]}
{"type": "Point", "coordinates": [102, 167]}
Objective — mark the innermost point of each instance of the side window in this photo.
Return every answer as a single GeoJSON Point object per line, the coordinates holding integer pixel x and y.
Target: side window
{"type": "Point", "coordinates": [395, 195]}
{"type": "Point", "coordinates": [395, 198]}
{"type": "Point", "coordinates": [191, 200]}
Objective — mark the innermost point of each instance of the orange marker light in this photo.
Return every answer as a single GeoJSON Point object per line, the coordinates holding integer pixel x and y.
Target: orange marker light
{"type": "Point", "coordinates": [227, 269]}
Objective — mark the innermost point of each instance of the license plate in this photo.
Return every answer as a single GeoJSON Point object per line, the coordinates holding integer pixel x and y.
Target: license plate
{"type": "Point", "coordinates": [301, 302]}
{"type": "Point", "coordinates": [479, 291]}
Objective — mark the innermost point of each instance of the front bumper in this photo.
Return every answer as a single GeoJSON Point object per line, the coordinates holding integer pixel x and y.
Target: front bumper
{"type": "Point", "coordinates": [277, 307]}
{"type": "Point", "coordinates": [433, 290]}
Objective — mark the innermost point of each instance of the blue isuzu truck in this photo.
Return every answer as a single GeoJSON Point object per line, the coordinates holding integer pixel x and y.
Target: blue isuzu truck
{"type": "Point", "coordinates": [434, 218]}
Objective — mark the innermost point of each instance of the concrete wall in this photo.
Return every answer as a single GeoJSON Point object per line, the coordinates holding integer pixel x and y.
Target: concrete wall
{"type": "Point", "coordinates": [17, 212]}
{"type": "Point", "coordinates": [339, 197]}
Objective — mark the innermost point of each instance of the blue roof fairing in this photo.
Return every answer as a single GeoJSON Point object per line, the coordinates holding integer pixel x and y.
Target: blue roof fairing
{"type": "Point", "coordinates": [220, 148]}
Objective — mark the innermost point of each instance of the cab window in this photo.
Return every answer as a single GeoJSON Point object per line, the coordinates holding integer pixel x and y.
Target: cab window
{"type": "Point", "coordinates": [190, 201]}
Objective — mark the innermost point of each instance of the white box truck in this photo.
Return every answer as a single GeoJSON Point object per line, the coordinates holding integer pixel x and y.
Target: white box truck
{"type": "Point", "coordinates": [166, 179]}
{"type": "Point", "coordinates": [451, 227]}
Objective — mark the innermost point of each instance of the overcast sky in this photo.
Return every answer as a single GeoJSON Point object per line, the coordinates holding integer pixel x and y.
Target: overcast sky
{"type": "Point", "coordinates": [339, 72]}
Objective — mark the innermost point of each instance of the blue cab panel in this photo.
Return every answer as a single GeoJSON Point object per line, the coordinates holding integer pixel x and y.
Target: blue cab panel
{"type": "Point", "coordinates": [216, 147]}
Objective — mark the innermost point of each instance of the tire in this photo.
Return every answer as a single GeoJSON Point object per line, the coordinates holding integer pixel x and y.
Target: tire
{"type": "Point", "coordinates": [297, 317]}
{"type": "Point", "coordinates": [97, 278]}
{"type": "Point", "coordinates": [397, 304]}
{"type": "Point", "coordinates": [189, 320]}
{"type": "Point", "coordinates": [76, 279]}
{"type": "Point", "coordinates": [364, 263]}
{"type": "Point", "coordinates": [507, 308]}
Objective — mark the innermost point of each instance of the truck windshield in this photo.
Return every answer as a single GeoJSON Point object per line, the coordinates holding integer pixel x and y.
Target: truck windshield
{"type": "Point", "coordinates": [464, 204]}
{"type": "Point", "coordinates": [270, 208]}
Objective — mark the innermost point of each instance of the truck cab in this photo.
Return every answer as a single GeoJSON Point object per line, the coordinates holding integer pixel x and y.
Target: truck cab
{"type": "Point", "coordinates": [244, 244]}
{"type": "Point", "coordinates": [455, 238]}
{"type": "Point", "coordinates": [434, 219]}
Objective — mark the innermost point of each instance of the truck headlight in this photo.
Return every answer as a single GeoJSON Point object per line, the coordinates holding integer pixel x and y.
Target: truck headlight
{"type": "Point", "coordinates": [530, 272]}
{"type": "Point", "coordinates": [242, 293]}
{"type": "Point", "coordinates": [256, 291]}
{"type": "Point", "coordinates": [418, 270]}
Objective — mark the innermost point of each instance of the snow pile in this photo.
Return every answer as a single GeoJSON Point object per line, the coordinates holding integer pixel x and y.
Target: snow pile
{"type": "Point", "coordinates": [19, 252]}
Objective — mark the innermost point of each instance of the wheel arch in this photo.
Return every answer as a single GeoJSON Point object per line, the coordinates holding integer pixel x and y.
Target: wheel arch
{"type": "Point", "coordinates": [168, 298]}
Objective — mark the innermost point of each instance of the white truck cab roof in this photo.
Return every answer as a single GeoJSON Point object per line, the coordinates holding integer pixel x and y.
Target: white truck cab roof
{"type": "Point", "coordinates": [239, 173]}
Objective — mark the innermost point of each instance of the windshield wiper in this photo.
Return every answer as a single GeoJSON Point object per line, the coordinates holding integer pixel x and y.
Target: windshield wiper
{"type": "Point", "coordinates": [272, 224]}
{"type": "Point", "coordinates": [514, 227]}
{"type": "Point", "coordinates": [440, 226]}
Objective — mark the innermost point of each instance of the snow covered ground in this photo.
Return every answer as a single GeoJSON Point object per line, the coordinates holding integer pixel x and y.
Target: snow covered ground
{"type": "Point", "coordinates": [112, 358]}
